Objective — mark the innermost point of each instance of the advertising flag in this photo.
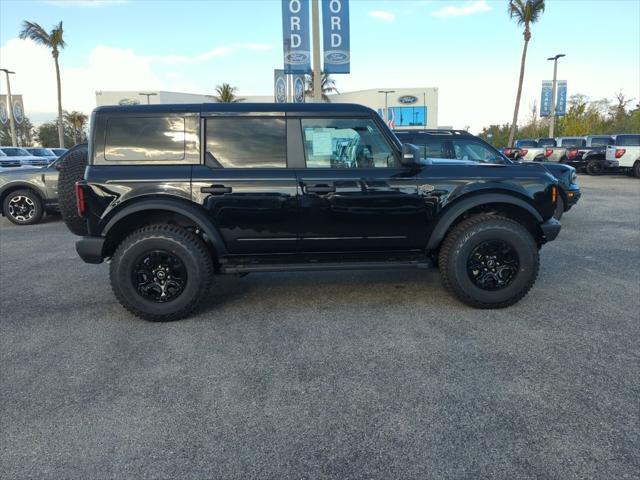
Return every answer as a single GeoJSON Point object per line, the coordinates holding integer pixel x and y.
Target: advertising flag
{"type": "Point", "coordinates": [335, 36]}
{"type": "Point", "coordinates": [295, 35]}
{"type": "Point", "coordinates": [561, 102]}
{"type": "Point", "coordinates": [18, 109]}
{"type": "Point", "coordinates": [4, 116]}
{"type": "Point", "coordinates": [545, 99]}
{"type": "Point", "coordinates": [279, 86]}
{"type": "Point", "coordinates": [298, 88]}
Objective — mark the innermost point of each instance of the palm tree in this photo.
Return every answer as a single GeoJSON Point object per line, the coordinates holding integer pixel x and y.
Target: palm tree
{"type": "Point", "coordinates": [227, 94]}
{"type": "Point", "coordinates": [77, 120]}
{"type": "Point", "coordinates": [55, 42]}
{"type": "Point", "coordinates": [327, 85]}
{"type": "Point", "coordinates": [525, 12]}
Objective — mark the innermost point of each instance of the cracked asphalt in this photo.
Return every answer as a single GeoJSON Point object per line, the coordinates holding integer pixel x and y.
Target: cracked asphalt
{"type": "Point", "coordinates": [328, 375]}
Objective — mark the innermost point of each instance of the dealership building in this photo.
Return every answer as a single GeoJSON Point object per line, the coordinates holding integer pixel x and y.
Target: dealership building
{"type": "Point", "coordinates": [407, 108]}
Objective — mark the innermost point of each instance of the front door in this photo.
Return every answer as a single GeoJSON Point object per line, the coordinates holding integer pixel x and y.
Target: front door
{"type": "Point", "coordinates": [354, 194]}
{"type": "Point", "coordinates": [245, 185]}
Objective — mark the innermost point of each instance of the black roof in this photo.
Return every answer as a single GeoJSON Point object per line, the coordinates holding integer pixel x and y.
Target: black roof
{"type": "Point", "coordinates": [439, 131]}
{"type": "Point", "coordinates": [241, 107]}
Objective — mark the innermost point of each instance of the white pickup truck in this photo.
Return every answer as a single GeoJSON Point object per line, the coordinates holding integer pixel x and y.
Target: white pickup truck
{"type": "Point", "coordinates": [545, 149]}
{"type": "Point", "coordinates": [626, 150]}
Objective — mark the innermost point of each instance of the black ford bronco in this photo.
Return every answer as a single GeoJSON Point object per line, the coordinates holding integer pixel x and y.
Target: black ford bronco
{"type": "Point", "coordinates": [174, 194]}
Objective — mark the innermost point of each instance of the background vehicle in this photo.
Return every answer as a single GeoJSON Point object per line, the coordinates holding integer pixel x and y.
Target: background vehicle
{"type": "Point", "coordinates": [289, 187]}
{"type": "Point", "coordinates": [591, 157]}
{"type": "Point", "coordinates": [446, 144]}
{"type": "Point", "coordinates": [23, 157]}
{"type": "Point", "coordinates": [59, 151]}
{"type": "Point", "coordinates": [6, 162]}
{"type": "Point", "coordinates": [41, 152]}
{"type": "Point", "coordinates": [626, 150]}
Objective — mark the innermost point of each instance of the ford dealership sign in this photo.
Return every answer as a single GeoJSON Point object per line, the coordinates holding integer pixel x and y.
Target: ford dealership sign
{"type": "Point", "coordinates": [408, 99]}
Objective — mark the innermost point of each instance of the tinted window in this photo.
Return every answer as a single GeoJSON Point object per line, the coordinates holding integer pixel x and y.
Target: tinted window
{"type": "Point", "coordinates": [626, 140]}
{"type": "Point", "coordinates": [601, 141]}
{"type": "Point", "coordinates": [431, 146]}
{"type": "Point", "coordinates": [526, 144]}
{"type": "Point", "coordinates": [546, 142]}
{"type": "Point", "coordinates": [573, 142]}
{"type": "Point", "coordinates": [345, 143]}
{"type": "Point", "coordinates": [41, 152]}
{"type": "Point", "coordinates": [245, 142]}
{"type": "Point", "coordinates": [466, 149]}
{"type": "Point", "coordinates": [16, 152]}
{"type": "Point", "coordinates": [145, 138]}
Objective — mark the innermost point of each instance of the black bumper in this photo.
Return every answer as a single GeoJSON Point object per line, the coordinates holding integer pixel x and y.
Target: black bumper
{"type": "Point", "coordinates": [90, 249]}
{"type": "Point", "coordinates": [550, 229]}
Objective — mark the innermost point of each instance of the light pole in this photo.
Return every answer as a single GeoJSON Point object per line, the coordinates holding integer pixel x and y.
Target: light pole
{"type": "Point", "coordinates": [148, 95]}
{"type": "Point", "coordinates": [386, 108]}
{"type": "Point", "coordinates": [317, 73]}
{"type": "Point", "coordinates": [14, 138]}
{"type": "Point", "coordinates": [553, 92]}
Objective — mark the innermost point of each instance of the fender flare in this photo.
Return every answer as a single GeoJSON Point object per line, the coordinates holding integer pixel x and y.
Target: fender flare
{"type": "Point", "coordinates": [181, 207]}
{"type": "Point", "coordinates": [452, 213]}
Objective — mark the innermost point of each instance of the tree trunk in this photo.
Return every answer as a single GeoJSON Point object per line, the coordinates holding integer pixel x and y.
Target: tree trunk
{"type": "Point", "coordinates": [60, 124]}
{"type": "Point", "coordinates": [514, 123]}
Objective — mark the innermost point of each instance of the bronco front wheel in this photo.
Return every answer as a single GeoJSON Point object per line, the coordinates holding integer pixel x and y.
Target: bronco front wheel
{"type": "Point", "coordinates": [161, 272]}
{"type": "Point", "coordinates": [488, 261]}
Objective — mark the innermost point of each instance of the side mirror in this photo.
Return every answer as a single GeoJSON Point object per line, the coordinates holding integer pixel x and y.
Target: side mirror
{"type": "Point", "coordinates": [410, 155]}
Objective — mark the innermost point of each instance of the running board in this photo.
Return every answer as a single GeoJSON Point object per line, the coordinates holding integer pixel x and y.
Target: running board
{"type": "Point", "coordinates": [322, 266]}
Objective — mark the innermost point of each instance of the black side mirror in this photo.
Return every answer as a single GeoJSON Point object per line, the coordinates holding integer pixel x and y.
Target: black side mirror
{"type": "Point", "coordinates": [410, 155]}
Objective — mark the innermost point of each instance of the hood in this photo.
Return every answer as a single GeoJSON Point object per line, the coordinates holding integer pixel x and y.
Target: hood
{"type": "Point", "coordinates": [19, 170]}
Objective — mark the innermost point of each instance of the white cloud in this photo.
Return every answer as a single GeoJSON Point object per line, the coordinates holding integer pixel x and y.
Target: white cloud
{"type": "Point", "coordinates": [383, 15]}
{"type": "Point", "coordinates": [83, 3]}
{"type": "Point", "coordinates": [468, 8]}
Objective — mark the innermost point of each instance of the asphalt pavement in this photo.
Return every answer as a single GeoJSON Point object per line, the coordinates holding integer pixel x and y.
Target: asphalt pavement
{"type": "Point", "coordinates": [328, 375]}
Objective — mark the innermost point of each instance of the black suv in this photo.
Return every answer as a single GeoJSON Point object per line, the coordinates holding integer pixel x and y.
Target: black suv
{"type": "Point", "coordinates": [174, 194]}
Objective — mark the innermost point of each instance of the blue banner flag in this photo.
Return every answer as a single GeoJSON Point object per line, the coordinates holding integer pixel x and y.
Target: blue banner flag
{"type": "Point", "coordinates": [335, 36]}
{"type": "Point", "coordinates": [295, 34]}
{"type": "Point", "coordinates": [561, 102]}
{"type": "Point", "coordinates": [279, 86]}
{"type": "Point", "coordinates": [545, 99]}
{"type": "Point", "coordinates": [298, 88]}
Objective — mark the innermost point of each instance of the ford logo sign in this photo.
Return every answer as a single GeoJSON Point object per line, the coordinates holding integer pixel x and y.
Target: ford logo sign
{"type": "Point", "coordinates": [336, 57]}
{"type": "Point", "coordinates": [297, 58]}
{"type": "Point", "coordinates": [408, 99]}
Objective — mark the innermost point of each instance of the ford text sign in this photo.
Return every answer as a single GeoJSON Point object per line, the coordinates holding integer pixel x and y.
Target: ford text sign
{"type": "Point", "coordinates": [407, 99]}
{"type": "Point", "coordinates": [295, 34]}
{"type": "Point", "coordinates": [335, 36]}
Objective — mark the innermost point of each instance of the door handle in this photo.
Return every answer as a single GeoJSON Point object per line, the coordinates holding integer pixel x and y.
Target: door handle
{"type": "Point", "coordinates": [320, 188]}
{"type": "Point", "coordinates": [216, 189]}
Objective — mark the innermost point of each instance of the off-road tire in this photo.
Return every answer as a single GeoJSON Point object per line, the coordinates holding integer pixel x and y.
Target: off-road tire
{"type": "Point", "coordinates": [559, 211]}
{"type": "Point", "coordinates": [461, 241]}
{"type": "Point", "coordinates": [187, 246]}
{"type": "Point", "coordinates": [71, 171]}
{"type": "Point", "coordinates": [636, 169]}
{"type": "Point", "coordinates": [35, 204]}
{"type": "Point", "coordinates": [593, 168]}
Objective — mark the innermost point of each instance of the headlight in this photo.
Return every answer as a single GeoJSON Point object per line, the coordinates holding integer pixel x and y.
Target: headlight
{"type": "Point", "coordinates": [574, 177]}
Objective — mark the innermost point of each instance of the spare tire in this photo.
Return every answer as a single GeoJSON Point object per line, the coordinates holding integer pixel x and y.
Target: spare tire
{"type": "Point", "coordinates": [71, 166]}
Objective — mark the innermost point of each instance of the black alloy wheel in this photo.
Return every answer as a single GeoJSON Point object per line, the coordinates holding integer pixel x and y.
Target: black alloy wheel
{"type": "Point", "coordinates": [493, 264]}
{"type": "Point", "coordinates": [594, 168]}
{"type": "Point", "coordinates": [159, 276]}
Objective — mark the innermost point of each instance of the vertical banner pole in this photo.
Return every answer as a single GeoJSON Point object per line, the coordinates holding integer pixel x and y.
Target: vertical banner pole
{"type": "Point", "coordinates": [317, 73]}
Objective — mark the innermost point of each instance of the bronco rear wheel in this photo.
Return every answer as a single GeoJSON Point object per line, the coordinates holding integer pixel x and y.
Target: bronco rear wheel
{"type": "Point", "coordinates": [161, 272]}
{"type": "Point", "coordinates": [71, 167]}
{"type": "Point", "coordinates": [488, 261]}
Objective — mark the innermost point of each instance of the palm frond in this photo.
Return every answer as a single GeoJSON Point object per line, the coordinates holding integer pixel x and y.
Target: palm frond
{"type": "Point", "coordinates": [35, 32]}
{"type": "Point", "coordinates": [57, 40]}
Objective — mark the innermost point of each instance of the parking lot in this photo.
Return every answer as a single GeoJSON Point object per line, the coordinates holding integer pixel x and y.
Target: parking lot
{"type": "Point", "coordinates": [328, 375]}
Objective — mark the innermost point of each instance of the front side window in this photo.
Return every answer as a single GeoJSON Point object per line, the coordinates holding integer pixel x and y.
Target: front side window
{"type": "Point", "coordinates": [465, 149]}
{"type": "Point", "coordinates": [628, 140]}
{"type": "Point", "coordinates": [245, 142]}
{"type": "Point", "coordinates": [16, 152]}
{"type": "Point", "coordinates": [145, 138]}
{"type": "Point", "coordinates": [345, 143]}
{"type": "Point", "coordinates": [431, 146]}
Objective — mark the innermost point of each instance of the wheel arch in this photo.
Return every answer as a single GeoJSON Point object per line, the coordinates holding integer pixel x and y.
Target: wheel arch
{"type": "Point", "coordinates": [511, 206]}
{"type": "Point", "coordinates": [139, 213]}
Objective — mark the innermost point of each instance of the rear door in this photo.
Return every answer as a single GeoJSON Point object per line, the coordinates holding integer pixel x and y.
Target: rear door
{"type": "Point", "coordinates": [354, 195]}
{"type": "Point", "coordinates": [245, 185]}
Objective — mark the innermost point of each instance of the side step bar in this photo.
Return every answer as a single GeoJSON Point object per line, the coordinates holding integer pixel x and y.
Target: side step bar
{"type": "Point", "coordinates": [322, 266]}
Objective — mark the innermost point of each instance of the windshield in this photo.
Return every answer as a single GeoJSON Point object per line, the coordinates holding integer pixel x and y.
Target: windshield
{"type": "Point", "coordinates": [16, 152]}
{"type": "Point", "coordinates": [59, 151]}
{"type": "Point", "coordinates": [41, 152]}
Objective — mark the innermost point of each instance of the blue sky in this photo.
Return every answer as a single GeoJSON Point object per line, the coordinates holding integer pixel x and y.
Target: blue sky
{"type": "Point", "coordinates": [470, 50]}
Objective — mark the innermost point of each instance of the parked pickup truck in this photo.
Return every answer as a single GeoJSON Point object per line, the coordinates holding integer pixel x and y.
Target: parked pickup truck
{"type": "Point", "coordinates": [591, 157]}
{"type": "Point", "coordinates": [626, 150]}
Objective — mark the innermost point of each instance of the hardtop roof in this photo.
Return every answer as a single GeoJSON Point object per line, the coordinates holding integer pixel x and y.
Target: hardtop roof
{"type": "Point", "coordinates": [320, 108]}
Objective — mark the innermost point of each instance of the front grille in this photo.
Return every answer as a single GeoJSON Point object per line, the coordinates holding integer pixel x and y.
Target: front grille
{"type": "Point", "coordinates": [9, 163]}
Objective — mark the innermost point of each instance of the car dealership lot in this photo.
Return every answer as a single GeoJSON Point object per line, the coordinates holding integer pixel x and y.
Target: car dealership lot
{"type": "Point", "coordinates": [332, 374]}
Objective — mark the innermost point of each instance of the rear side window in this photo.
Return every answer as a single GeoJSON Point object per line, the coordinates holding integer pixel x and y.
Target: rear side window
{"type": "Point", "coordinates": [345, 143]}
{"type": "Point", "coordinates": [466, 149]}
{"type": "Point", "coordinates": [245, 142]}
{"type": "Point", "coordinates": [573, 142]}
{"type": "Point", "coordinates": [546, 142]}
{"type": "Point", "coordinates": [145, 138]}
{"type": "Point", "coordinates": [526, 144]}
{"type": "Point", "coordinates": [432, 146]}
{"type": "Point", "coordinates": [628, 140]}
{"type": "Point", "coordinates": [601, 141]}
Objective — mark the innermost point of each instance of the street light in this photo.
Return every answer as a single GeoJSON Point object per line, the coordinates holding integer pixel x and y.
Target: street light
{"type": "Point", "coordinates": [386, 109]}
{"type": "Point", "coordinates": [14, 138]}
{"type": "Point", "coordinates": [553, 92]}
{"type": "Point", "coordinates": [148, 95]}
